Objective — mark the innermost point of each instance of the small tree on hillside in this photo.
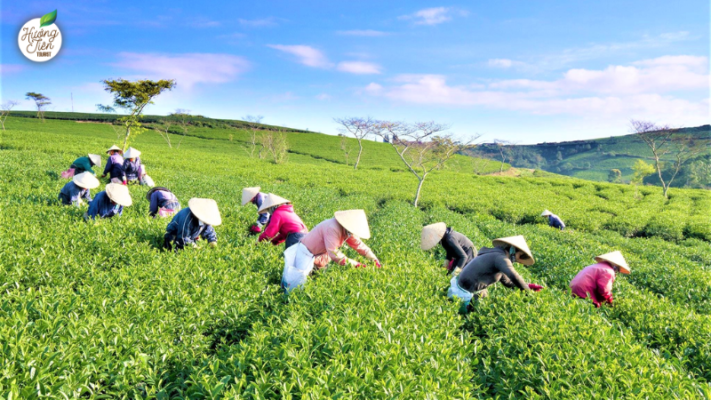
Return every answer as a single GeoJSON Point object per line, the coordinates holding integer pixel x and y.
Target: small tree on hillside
{"type": "Point", "coordinates": [253, 122]}
{"type": "Point", "coordinates": [164, 131]}
{"type": "Point", "coordinates": [422, 147]}
{"type": "Point", "coordinates": [504, 148]}
{"type": "Point", "coordinates": [661, 140]}
{"type": "Point", "coordinates": [5, 109]}
{"type": "Point", "coordinates": [641, 170]}
{"type": "Point", "coordinates": [183, 118]}
{"type": "Point", "coordinates": [359, 128]}
{"type": "Point", "coordinates": [614, 176]}
{"type": "Point", "coordinates": [134, 97]}
{"type": "Point", "coordinates": [276, 145]}
{"type": "Point", "coordinates": [41, 102]}
{"type": "Point", "coordinates": [346, 148]}
{"type": "Point", "coordinates": [105, 108]}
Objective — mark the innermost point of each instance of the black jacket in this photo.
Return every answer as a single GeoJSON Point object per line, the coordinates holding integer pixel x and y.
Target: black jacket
{"type": "Point", "coordinates": [458, 247]}
{"type": "Point", "coordinates": [489, 267]}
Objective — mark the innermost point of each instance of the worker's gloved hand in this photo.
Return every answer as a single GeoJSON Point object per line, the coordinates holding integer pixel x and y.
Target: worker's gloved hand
{"type": "Point", "coordinates": [378, 264]}
{"type": "Point", "coordinates": [213, 244]}
{"type": "Point", "coordinates": [195, 246]}
{"type": "Point", "coordinates": [535, 287]}
{"type": "Point", "coordinates": [124, 183]}
{"type": "Point", "coordinates": [359, 265]}
{"type": "Point", "coordinates": [254, 229]}
{"type": "Point", "coordinates": [449, 266]}
{"type": "Point", "coordinates": [103, 176]}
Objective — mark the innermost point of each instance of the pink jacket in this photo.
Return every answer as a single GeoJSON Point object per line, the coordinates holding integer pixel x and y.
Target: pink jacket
{"type": "Point", "coordinates": [283, 222]}
{"type": "Point", "coordinates": [325, 241]}
{"type": "Point", "coordinates": [595, 280]}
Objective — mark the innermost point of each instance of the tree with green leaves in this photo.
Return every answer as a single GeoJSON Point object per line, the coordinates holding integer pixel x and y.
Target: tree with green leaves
{"type": "Point", "coordinates": [105, 108]}
{"type": "Point", "coordinates": [134, 96]}
{"type": "Point", "coordinates": [614, 176]}
{"type": "Point", "coordinates": [41, 102]}
{"type": "Point", "coordinates": [641, 170]}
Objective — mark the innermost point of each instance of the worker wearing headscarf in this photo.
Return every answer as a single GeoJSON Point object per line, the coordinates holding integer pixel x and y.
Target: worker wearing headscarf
{"type": "Point", "coordinates": [78, 188]}
{"type": "Point", "coordinates": [114, 166]}
{"type": "Point", "coordinates": [254, 196]}
{"type": "Point", "coordinates": [162, 202]}
{"type": "Point", "coordinates": [85, 164]}
{"type": "Point", "coordinates": [596, 280]}
{"type": "Point", "coordinates": [192, 223]}
{"type": "Point", "coordinates": [110, 202]}
{"type": "Point", "coordinates": [284, 225]}
{"type": "Point", "coordinates": [323, 244]}
{"type": "Point", "coordinates": [460, 250]}
{"type": "Point", "coordinates": [553, 220]}
{"type": "Point", "coordinates": [132, 166]}
{"type": "Point", "coordinates": [493, 265]}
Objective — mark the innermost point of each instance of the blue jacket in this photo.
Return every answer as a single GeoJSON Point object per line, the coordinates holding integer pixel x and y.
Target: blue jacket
{"type": "Point", "coordinates": [71, 194]}
{"type": "Point", "coordinates": [556, 222]}
{"type": "Point", "coordinates": [132, 169]}
{"type": "Point", "coordinates": [161, 198]}
{"type": "Point", "coordinates": [258, 200]}
{"type": "Point", "coordinates": [102, 207]}
{"type": "Point", "coordinates": [114, 167]}
{"type": "Point", "coordinates": [185, 229]}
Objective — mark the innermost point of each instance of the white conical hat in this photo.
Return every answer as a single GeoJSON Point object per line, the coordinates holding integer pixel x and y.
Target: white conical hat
{"type": "Point", "coordinates": [114, 147]}
{"type": "Point", "coordinates": [95, 159]}
{"type": "Point", "coordinates": [249, 193]}
{"type": "Point", "coordinates": [131, 153]}
{"type": "Point", "coordinates": [518, 242]}
{"type": "Point", "coordinates": [271, 201]}
{"type": "Point", "coordinates": [546, 213]}
{"type": "Point", "coordinates": [615, 258]}
{"type": "Point", "coordinates": [205, 210]}
{"type": "Point", "coordinates": [432, 234]}
{"type": "Point", "coordinates": [354, 221]}
{"type": "Point", "coordinates": [119, 194]}
{"type": "Point", "coordinates": [86, 180]}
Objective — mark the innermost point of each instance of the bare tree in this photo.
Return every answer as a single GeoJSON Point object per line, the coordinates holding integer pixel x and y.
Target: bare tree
{"type": "Point", "coordinates": [359, 128]}
{"type": "Point", "coordinates": [274, 144]}
{"type": "Point", "coordinates": [5, 109]}
{"type": "Point", "coordinates": [504, 147]}
{"type": "Point", "coordinates": [254, 122]}
{"type": "Point", "coordinates": [164, 131]}
{"type": "Point", "coordinates": [183, 118]}
{"type": "Point", "coordinates": [41, 102]}
{"type": "Point", "coordinates": [661, 140]}
{"type": "Point", "coordinates": [421, 146]}
{"type": "Point", "coordinates": [346, 148]}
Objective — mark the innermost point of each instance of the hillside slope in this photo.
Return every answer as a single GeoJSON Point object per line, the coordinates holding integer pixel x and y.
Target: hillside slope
{"type": "Point", "coordinates": [99, 311]}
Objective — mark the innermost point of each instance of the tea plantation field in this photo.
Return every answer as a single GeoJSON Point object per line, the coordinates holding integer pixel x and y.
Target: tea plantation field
{"type": "Point", "coordinates": [97, 311]}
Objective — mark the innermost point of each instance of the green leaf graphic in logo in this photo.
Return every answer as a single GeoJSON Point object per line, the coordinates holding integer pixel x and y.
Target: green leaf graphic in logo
{"type": "Point", "coordinates": [48, 19]}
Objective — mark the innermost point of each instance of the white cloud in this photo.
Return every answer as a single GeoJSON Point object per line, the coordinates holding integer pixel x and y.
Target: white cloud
{"type": "Point", "coordinates": [259, 23]}
{"type": "Point", "coordinates": [323, 96]}
{"type": "Point", "coordinates": [430, 16]}
{"type": "Point", "coordinates": [187, 69]}
{"type": "Point", "coordinates": [204, 23]}
{"type": "Point", "coordinates": [504, 63]}
{"type": "Point", "coordinates": [7, 69]}
{"type": "Point", "coordinates": [306, 55]}
{"type": "Point", "coordinates": [358, 67]}
{"type": "Point", "coordinates": [366, 32]}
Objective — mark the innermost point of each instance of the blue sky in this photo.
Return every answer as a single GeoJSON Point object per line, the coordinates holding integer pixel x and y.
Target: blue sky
{"type": "Point", "coordinates": [525, 71]}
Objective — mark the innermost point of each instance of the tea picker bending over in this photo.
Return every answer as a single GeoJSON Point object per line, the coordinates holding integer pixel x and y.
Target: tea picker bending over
{"type": "Point", "coordinates": [596, 280]}
{"type": "Point", "coordinates": [460, 250]}
{"type": "Point", "coordinates": [83, 164]}
{"type": "Point", "coordinates": [163, 202]}
{"type": "Point", "coordinates": [192, 223]}
{"type": "Point", "coordinates": [254, 196]}
{"type": "Point", "coordinates": [78, 188]}
{"type": "Point", "coordinates": [284, 225]}
{"type": "Point", "coordinates": [132, 166]}
{"type": "Point", "coordinates": [114, 166]}
{"type": "Point", "coordinates": [493, 265]}
{"type": "Point", "coordinates": [553, 220]}
{"type": "Point", "coordinates": [322, 245]}
{"type": "Point", "coordinates": [110, 202]}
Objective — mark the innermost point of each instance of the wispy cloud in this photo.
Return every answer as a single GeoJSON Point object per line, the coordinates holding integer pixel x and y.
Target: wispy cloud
{"type": "Point", "coordinates": [187, 69]}
{"type": "Point", "coordinates": [203, 22]}
{"type": "Point", "coordinates": [259, 22]}
{"type": "Point", "coordinates": [305, 55]}
{"type": "Point", "coordinates": [504, 63]}
{"type": "Point", "coordinates": [323, 96]}
{"type": "Point", "coordinates": [433, 16]}
{"type": "Point", "coordinates": [7, 69]}
{"type": "Point", "coordinates": [366, 33]}
{"type": "Point", "coordinates": [359, 67]}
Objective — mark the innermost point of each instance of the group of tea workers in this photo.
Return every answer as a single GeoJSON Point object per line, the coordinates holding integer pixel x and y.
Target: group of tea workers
{"type": "Point", "coordinates": [472, 270]}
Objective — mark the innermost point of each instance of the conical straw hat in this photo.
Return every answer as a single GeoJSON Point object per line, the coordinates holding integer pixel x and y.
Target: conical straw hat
{"type": "Point", "coordinates": [546, 213]}
{"type": "Point", "coordinates": [150, 192]}
{"type": "Point", "coordinates": [205, 210]}
{"type": "Point", "coordinates": [119, 194]}
{"type": "Point", "coordinates": [131, 153]}
{"type": "Point", "coordinates": [432, 234]}
{"type": "Point", "coordinates": [95, 159]}
{"type": "Point", "coordinates": [271, 201]}
{"type": "Point", "coordinates": [114, 147]}
{"type": "Point", "coordinates": [86, 180]}
{"type": "Point", "coordinates": [354, 221]}
{"type": "Point", "coordinates": [249, 193]}
{"type": "Point", "coordinates": [519, 242]}
{"type": "Point", "coordinates": [615, 258]}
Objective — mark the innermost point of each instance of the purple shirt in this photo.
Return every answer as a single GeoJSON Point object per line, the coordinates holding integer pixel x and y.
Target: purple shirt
{"type": "Point", "coordinates": [159, 199]}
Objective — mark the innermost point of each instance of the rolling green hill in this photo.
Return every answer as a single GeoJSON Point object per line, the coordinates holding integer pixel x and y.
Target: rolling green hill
{"type": "Point", "coordinates": [97, 311]}
{"type": "Point", "coordinates": [593, 159]}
